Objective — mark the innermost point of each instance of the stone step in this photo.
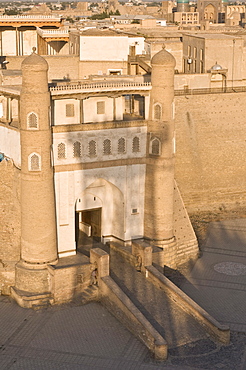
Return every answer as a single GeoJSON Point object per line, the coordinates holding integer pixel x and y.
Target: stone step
{"type": "Point", "coordinates": [89, 294]}
{"type": "Point", "coordinates": [41, 305]}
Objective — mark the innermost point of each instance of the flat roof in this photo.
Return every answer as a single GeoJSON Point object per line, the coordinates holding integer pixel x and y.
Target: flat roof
{"type": "Point", "coordinates": [100, 32]}
{"type": "Point", "coordinates": [213, 36]}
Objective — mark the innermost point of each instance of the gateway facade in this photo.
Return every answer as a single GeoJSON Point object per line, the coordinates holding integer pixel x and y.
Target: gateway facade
{"type": "Point", "coordinates": [94, 158]}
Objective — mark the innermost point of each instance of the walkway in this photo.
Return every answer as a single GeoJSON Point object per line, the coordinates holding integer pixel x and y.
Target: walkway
{"type": "Point", "coordinates": [218, 280]}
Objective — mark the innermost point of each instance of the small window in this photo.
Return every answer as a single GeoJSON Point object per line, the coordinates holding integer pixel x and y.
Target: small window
{"type": "Point", "coordinates": [107, 147]}
{"type": "Point", "coordinates": [195, 52]}
{"type": "Point", "coordinates": [135, 145]}
{"type": "Point", "coordinates": [155, 147]}
{"type": "Point", "coordinates": [69, 110]}
{"type": "Point", "coordinates": [115, 72]}
{"type": "Point", "coordinates": [76, 149]}
{"type": "Point", "coordinates": [157, 111]}
{"type": "Point", "coordinates": [32, 121]}
{"type": "Point", "coordinates": [92, 148]}
{"type": "Point", "coordinates": [34, 162]}
{"type": "Point", "coordinates": [61, 151]}
{"type": "Point", "coordinates": [121, 145]}
{"type": "Point", "coordinates": [189, 51]}
{"type": "Point", "coordinates": [100, 107]}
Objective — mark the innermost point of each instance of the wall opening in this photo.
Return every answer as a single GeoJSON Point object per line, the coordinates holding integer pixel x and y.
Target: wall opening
{"type": "Point", "coordinates": [88, 226]}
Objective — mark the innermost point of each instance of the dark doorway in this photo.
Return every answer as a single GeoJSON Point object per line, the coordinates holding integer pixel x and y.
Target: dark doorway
{"type": "Point", "coordinates": [134, 107]}
{"type": "Point", "coordinates": [88, 229]}
{"type": "Point", "coordinates": [92, 218]}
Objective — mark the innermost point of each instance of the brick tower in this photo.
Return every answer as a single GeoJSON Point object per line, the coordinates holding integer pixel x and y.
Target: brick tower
{"type": "Point", "coordinates": [38, 225]}
{"type": "Point", "coordinates": [159, 188]}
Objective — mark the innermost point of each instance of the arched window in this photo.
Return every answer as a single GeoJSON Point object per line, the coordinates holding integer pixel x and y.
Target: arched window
{"type": "Point", "coordinates": [157, 111]}
{"type": "Point", "coordinates": [92, 148]}
{"type": "Point", "coordinates": [61, 151]}
{"type": "Point", "coordinates": [34, 162]}
{"type": "Point", "coordinates": [76, 149]}
{"type": "Point", "coordinates": [121, 145]}
{"type": "Point", "coordinates": [32, 121]}
{"type": "Point", "coordinates": [135, 145]}
{"type": "Point", "coordinates": [155, 146]}
{"type": "Point", "coordinates": [106, 147]}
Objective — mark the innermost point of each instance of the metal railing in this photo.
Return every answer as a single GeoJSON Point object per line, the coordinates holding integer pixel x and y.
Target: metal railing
{"type": "Point", "coordinates": [106, 86]}
{"type": "Point", "coordinates": [219, 90]}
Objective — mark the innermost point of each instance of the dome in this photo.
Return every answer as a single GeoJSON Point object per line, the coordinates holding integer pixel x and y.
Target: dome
{"type": "Point", "coordinates": [182, 1]}
{"type": "Point", "coordinates": [216, 67]}
{"type": "Point", "coordinates": [164, 58]}
{"type": "Point", "coordinates": [36, 61]}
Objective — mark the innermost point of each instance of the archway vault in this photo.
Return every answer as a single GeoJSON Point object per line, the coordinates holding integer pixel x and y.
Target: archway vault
{"type": "Point", "coordinates": [105, 195]}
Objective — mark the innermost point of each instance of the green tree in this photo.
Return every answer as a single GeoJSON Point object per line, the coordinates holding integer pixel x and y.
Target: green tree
{"type": "Point", "coordinates": [99, 16]}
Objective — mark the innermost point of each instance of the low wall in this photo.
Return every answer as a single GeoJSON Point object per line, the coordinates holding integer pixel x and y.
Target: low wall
{"type": "Point", "coordinates": [117, 302]}
{"type": "Point", "coordinates": [124, 253]}
{"type": "Point", "coordinates": [69, 280]}
{"type": "Point", "coordinates": [214, 328]}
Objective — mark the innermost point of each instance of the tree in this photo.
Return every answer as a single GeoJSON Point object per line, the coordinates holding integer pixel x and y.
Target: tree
{"type": "Point", "coordinates": [70, 20]}
{"type": "Point", "coordinates": [99, 16]}
{"type": "Point", "coordinates": [11, 11]}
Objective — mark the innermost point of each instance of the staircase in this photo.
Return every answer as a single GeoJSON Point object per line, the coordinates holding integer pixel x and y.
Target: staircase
{"type": "Point", "coordinates": [89, 294]}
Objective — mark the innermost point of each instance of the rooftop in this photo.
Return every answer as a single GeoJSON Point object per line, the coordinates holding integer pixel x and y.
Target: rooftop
{"type": "Point", "coordinates": [214, 36]}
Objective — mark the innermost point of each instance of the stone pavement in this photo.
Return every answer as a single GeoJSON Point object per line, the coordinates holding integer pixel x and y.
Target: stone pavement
{"type": "Point", "coordinates": [88, 337]}
{"type": "Point", "coordinates": [218, 280]}
{"type": "Point", "coordinates": [72, 337]}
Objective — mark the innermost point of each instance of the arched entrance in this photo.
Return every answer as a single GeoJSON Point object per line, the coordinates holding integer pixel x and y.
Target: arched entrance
{"type": "Point", "coordinates": [210, 13]}
{"type": "Point", "coordinates": [99, 212]}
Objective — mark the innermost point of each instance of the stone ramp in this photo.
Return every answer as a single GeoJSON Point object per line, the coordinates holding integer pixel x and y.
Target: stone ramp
{"type": "Point", "coordinates": [176, 326]}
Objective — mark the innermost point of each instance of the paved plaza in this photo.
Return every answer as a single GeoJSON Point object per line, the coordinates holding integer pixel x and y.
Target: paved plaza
{"type": "Point", "coordinates": [218, 280]}
{"type": "Point", "coordinates": [88, 337]}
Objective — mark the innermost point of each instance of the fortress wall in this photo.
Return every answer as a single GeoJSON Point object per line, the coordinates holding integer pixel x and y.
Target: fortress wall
{"type": "Point", "coordinates": [9, 223]}
{"type": "Point", "coordinates": [60, 66]}
{"type": "Point", "coordinates": [211, 150]}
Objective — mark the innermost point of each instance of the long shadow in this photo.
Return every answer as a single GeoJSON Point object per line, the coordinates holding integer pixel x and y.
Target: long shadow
{"type": "Point", "coordinates": [138, 304]}
{"type": "Point", "coordinates": [166, 316]}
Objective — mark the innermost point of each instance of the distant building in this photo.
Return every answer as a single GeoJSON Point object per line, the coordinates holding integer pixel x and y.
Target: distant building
{"type": "Point", "coordinates": [212, 10]}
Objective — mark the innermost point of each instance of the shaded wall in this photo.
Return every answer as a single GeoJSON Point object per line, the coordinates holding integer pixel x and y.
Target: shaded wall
{"type": "Point", "coordinates": [210, 144]}
{"type": "Point", "coordinates": [9, 223]}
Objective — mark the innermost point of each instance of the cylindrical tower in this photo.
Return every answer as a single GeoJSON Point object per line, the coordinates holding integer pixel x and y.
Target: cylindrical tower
{"type": "Point", "coordinates": [38, 226]}
{"type": "Point", "coordinates": [38, 223]}
{"type": "Point", "coordinates": [183, 6]}
{"type": "Point", "coordinates": [159, 190]}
